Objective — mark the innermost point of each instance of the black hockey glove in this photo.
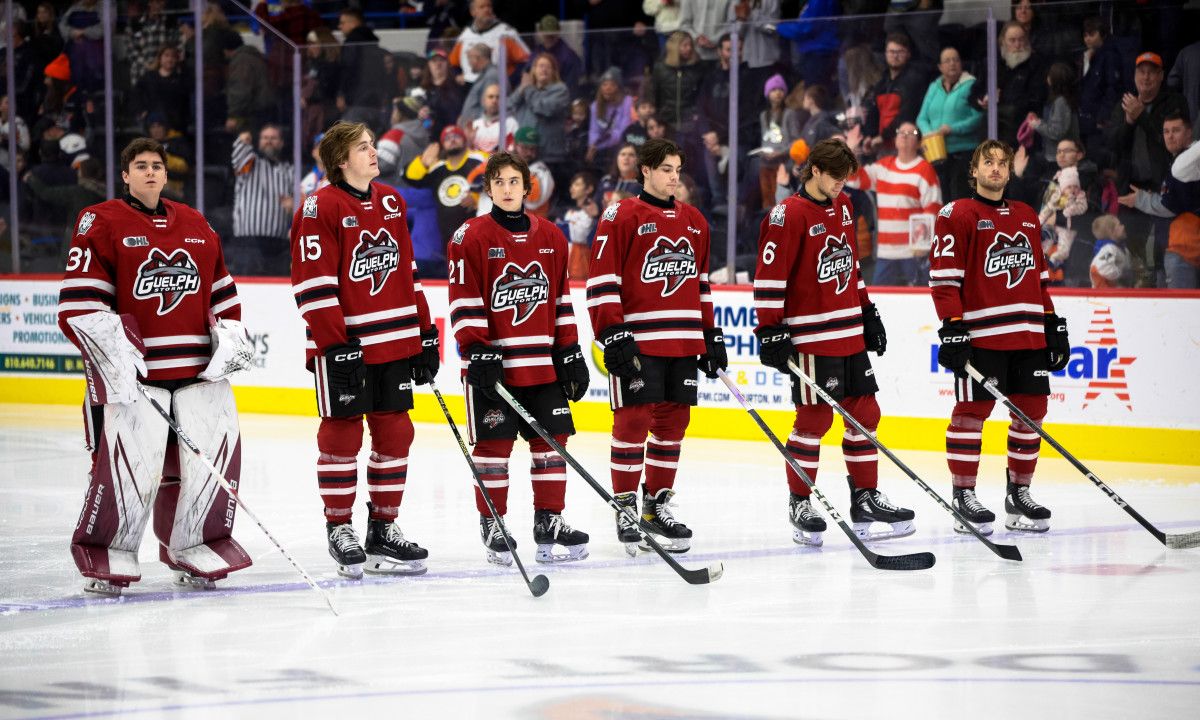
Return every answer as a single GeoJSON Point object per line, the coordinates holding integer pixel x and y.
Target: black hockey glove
{"type": "Point", "coordinates": [873, 332]}
{"type": "Point", "coordinates": [955, 350]}
{"type": "Point", "coordinates": [716, 356]}
{"type": "Point", "coordinates": [572, 371]}
{"type": "Point", "coordinates": [1058, 346]}
{"type": "Point", "coordinates": [485, 368]}
{"type": "Point", "coordinates": [620, 351]}
{"type": "Point", "coordinates": [775, 347]}
{"type": "Point", "coordinates": [425, 364]}
{"type": "Point", "coordinates": [345, 378]}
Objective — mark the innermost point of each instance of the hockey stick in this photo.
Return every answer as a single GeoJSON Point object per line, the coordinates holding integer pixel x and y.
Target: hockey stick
{"type": "Point", "coordinates": [227, 487]}
{"type": "Point", "coordinates": [1184, 540]}
{"type": "Point", "coordinates": [540, 583]}
{"type": "Point", "coordinates": [695, 577]}
{"type": "Point", "coordinates": [914, 561]}
{"type": "Point", "coordinates": [1008, 552]}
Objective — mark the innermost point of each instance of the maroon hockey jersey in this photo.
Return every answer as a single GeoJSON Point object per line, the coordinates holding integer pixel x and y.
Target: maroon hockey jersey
{"type": "Point", "coordinates": [167, 271]}
{"type": "Point", "coordinates": [986, 266]}
{"type": "Point", "coordinates": [649, 271]}
{"type": "Point", "coordinates": [808, 276]}
{"type": "Point", "coordinates": [510, 290]}
{"type": "Point", "coordinates": [353, 274]}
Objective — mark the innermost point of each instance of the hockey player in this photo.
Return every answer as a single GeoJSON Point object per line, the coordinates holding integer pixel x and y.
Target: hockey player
{"type": "Point", "coordinates": [989, 278]}
{"type": "Point", "coordinates": [510, 307]}
{"type": "Point", "coordinates": [651, 309]}
{"type": "Point", "coordinates": [146, 293]}
{"type": "Point", "coordinates": [370, 337]}
{"type": "Point", "coordinates": [813, 309]}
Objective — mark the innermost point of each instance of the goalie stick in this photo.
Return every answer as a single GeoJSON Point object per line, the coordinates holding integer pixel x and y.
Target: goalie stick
{"type": "Point", "coordinates": [695, 577]}
{"type": "Point", "coordinates": [1183, 540]}
{"type": "Point", "coordinates": [220, 478]}
{"type": "Point", "coordinates": [540, 583]}
{"type": "Point", "coordinates": [1008, 552]}
{"type": "Point", "coordinates": [914, 561]}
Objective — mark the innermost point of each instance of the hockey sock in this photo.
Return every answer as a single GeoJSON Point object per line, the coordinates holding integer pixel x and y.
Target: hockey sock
{"type": "Point", "coordinates": [548, 471]}
{"type": "Point", "coordinates": [338, 440]}
{"type": "Point", "coordinates": [491, 461]}
{"type": "Point", "coordinates": [387, 468]}
{"type": "Point", "coordinates": [810, 425]}
{"type": "Point", "coordinates": [1023, 441]}
{"type": "Point", "coordinates": [862, 460]}
{"type": "Point", "coordinates": [631, 423]}
{"type": "Point", "coordinates": [668, 423]}
{"type": "Point", "coordinates": [964, 438]}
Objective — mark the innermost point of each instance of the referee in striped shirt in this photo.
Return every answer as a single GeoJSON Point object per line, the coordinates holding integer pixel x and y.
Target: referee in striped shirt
{"type": "Point", "coordinates": [262, 205]}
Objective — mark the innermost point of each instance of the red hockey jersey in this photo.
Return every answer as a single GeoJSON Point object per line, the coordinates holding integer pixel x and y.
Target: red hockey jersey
{"type": "Point", "coordinates": [353, 274]}
{"type": "Point", "coordinates": [167, 271]}
{"type": "Point", "coordinates": [510, 290]}
{"type": "Point", "coordinates": [808, 276]}
{"type": "Point", "coordinates": [649, 271]}
{"type": "Point", "coordinates": [986, 266]}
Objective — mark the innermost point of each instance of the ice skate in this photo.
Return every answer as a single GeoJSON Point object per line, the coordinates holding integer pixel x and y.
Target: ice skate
{"type": "Point", "coordinates": [658, 520]}
{"type": "Point", "coordinates": [345, 550]}
{"type": "Point", "coordinates": [807, 525]}
{"type": "Point", "coordinates": [493, 541]}
{"type": "Point", "coordinates": [549, 529]}
{"type": "Point", "coordinates": [1024, 513]}
{"type": "Point", "coordinates": [969, 506]}
{"type": "Point", "coordinates": [186, 580]}
{"type": "Point", "coordinates": [389, 553]}
{"type": "Point", "coordinates": [627, 529]}
{"type": "Point", "coordinates": [103, 588]}
{"type": "Point", "coordinates": [868, 505]}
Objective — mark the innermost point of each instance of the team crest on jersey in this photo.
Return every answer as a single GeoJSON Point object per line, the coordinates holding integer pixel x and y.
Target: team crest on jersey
{"type": "Point", "coordinates": [846, 219]}
{"type": "Point", "coordinates": [310, 206]}
{"type": "Point", "coordinates": [946, 210]}
{"type": "Point", "coordinates": [778, 213]}
{"type": "Point", "coordinates": [835, 262]}
{"type": "Point", "coordinates": [169, 279]}
{"type": "Point", "coordinates": [520, 289]}
{"type": "Point", "coordinates": [1009, 255]}
{"type": "Point", "coordinates": [375, 256]}
{"type": "Point", "coordinates": [493, 418]}
{"type": "Point", "coordinates": [459, 234]}
{"type": "Point", "coordinates": [85, 222]}
{"type": "Point", "coordinates": [671, 261]}
{"type": "Point", "coordinates": [610, 212]}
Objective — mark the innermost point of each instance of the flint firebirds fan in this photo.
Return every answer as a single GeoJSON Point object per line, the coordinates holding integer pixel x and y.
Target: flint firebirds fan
{"type": "Point", "coordinates": [989, 278]}
{"type": "Point", "coordinates": [146, 293]}
{"type": "Point", "coordinates": [369, 338]}
{"type": "Point", "coordinates": [510, 306]}
{"type": "Point", "coordinates": [652, 312]}
{"type": "Point", "coordinates": [813, 308]}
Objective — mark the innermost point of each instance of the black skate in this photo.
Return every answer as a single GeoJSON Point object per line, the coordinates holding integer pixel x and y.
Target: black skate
{"type": "Point", "coordinates": [657, 519]}
{"type": "Point", "coordinates": [627, 528]}
{"type": "Point", "coordinates": [389, 553]}
{"type": "Point", "coordinates": [807, 525]}
{"type": "Point", "coordinates": [1024, 513]}
{"type": "Point", "coordinates": [345, 550]}
{"type": "Point", "coordinates": [969, 506]}
{"type": "Point", "coordinates": [868, 506]}
{"type": "Point", "coordinates": [549, 529]}
{"type": "Point", "coordinates": [493, 541]}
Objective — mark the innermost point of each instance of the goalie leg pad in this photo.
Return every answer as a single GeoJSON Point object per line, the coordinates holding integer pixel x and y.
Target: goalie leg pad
{"type": "Point", "coordinates": [126, 469]}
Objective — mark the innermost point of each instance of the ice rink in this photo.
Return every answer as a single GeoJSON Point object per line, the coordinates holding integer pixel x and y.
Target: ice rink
{"type": "Point", "coordinates": [1099, 621]}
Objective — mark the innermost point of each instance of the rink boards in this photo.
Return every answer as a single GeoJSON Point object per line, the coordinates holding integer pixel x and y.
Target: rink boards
{"type": "Point", "coordinates": [1129, 392]}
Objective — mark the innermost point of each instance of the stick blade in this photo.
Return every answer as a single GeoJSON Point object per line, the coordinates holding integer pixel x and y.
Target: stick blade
{"type": "Point", "coordinates": [539, 585]}
{"type": "Point", "coordinates": [1187, 540]}
{"type": "Point", "coordinates": [915, 561]}
{"type": "Point", "coordinates": [1008, 552]}
{"type": "Point", "coordinates": [703, 576]}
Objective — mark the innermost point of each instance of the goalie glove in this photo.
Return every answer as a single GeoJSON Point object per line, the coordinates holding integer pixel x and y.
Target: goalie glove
{"type": "Point", "coordinates": [425, 364]}
{"type": "Point", "coordinates": [775, 346]}
{"type": "Point", "coordinates": [485, 368]}
{"type": "Point", "coordinates": [1058, 345]}
{"type": "Point", "coordinates": [620, 351]}
{"type": "Point", "coordinates": [572, 371]}
{"type": "Point", "coordinates": [873, 331]}
{"type": "Point", "coordinates": [232, 350]}
{"type": "Point", "coordinates": [112, 352]}
{"type": "Point", "coordinates": [716, 356]}
{"type": "Point", "coordinates": [955, 351]}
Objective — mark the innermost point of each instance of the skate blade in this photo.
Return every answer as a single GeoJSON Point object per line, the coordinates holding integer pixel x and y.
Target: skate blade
{"type": "Point", "coordinates": [671, 545]}
{"type": "Point", "coordinates": [1019, 523]}
{"type": "Point", "coordinates": [102, 588]}
{"type": "Point", "coordinates": [984, 528]}
{"type": "Point", "coordinates": [895, 530]}
{"type": "Point", "coordinates": [545, 553]}
{"type": "Point", "coordinates": [502, 557]}
{"type": "Point", "coordinates": [632, 548]}
{"type": "Point", "coordinates": [384, 565]}
{"type": "Point", "coordinates": [185, 579]}
{"type": "Point", "coordinates": [353, 572]}
{"type": "Point", "coordinates": [807, 538]}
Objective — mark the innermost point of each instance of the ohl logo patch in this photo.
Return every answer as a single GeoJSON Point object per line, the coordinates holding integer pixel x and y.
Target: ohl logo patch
{"type": "Point", "coordinates": [520, 289]}
{"type": "Point", "coordinates": [1009, 255]}
{"type": "Point", "coordinates": [375, 257]}
{"type": "Point", "coordinates": [835, 262]}
{"type": "Point", "coordinates": [671, 261]}
{"type": "Point", "coordinates": [169, 279]}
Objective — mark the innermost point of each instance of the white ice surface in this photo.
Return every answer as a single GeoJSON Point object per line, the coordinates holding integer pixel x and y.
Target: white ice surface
{"type": "Point", "coordinates": [1099, 621]}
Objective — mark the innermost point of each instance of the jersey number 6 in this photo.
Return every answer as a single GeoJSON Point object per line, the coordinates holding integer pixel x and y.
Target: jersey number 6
{"type": "Point", "coordinates": [769, 253]}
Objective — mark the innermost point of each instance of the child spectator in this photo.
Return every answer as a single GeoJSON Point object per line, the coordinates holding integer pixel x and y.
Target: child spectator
{"type": "Point", "coordinates": [1112, 265]}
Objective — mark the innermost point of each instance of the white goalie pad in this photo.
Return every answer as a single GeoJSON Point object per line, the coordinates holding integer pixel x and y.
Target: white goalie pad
{"type": "Point", "coordinates": [112, 352]}
{"type": "Point", "coordinates": [232, 350]}
{"type": "Point", "coordinates": [200, 540]}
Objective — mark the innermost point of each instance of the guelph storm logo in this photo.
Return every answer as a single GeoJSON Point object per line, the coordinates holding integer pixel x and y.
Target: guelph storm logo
{"type": "Point", "coordinates": [1009, 255]}
{"type": "Point", "coordinates": [671, 261]}
{"type": "Point", "coordinates": [835, 262]}
{"type": "Point", "coordinates": [520, 289]}
{"type": "Point", "coordinates": [169, 279]}
{"type": "Point", "coordinates": [375, 256]}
